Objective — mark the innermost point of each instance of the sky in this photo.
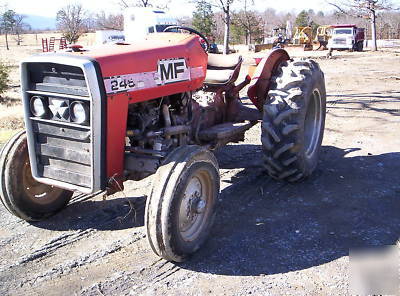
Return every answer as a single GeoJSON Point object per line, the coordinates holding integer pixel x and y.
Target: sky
{"type": "Point", "coordinates": [49, 8]}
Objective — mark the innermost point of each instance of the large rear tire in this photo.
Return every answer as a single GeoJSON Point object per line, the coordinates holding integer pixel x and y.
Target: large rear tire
{"type": "Point", "coordinates": [181, 207]}
{"type": "Point", "coordinates": [294, 120]}
{"type": "Point", "coordinates": [20, 193]}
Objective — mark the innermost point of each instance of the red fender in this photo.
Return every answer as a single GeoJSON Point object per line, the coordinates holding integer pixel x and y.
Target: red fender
{"type": "Point", "coordinates": [260, 81]}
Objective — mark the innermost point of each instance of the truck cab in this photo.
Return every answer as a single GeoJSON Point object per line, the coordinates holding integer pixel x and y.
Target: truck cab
{"type": "Point", "coordinates": [346, 37]}
{"type": "Point", "coordinates": [141, 21]}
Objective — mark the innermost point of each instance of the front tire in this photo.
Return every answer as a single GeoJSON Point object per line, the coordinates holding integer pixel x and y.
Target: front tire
{"type": "Point", "coordinates": [294, 120]}
{"type": "Point", "coordinates": [20, 193]}
{"type": "Point", "coordinates": [181, 207]}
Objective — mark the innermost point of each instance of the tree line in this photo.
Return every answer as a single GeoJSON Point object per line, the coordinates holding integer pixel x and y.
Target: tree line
{"type": "Point", "coordinates": [216, 19]}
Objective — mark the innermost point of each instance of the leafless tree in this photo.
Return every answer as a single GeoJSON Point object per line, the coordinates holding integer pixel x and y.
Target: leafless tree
{"type": "Point", "coordinates": [366, 9]}
{"type": "Point", "coordinates": [222, 21]}
{"type": "Point", "coordinates": [225, 6]}
{"type": "Point", "coordinates": [219, 26]}
{"type": "Point", "coordinates": [20, 27]}
{"type": "Point", "coordinates": [110, 22]}
{"type": "Point", "coordinates": [71, 21]}
{"type": "Point", "coordinates": [160, 4]}
{"type": "Point", "coordinates": [250, 21]}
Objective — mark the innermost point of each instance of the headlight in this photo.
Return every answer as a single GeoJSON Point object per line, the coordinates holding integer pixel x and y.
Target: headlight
{"type": "Point", "coordinates": [38, 106]}
{"type": "Point", "coordinates": [79, 112]}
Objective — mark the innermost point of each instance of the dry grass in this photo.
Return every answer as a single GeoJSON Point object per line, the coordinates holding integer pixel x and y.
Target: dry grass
{"type": "Point", "coordinates": [36, 39]}
{"type": "Point", "coordinates": [11, 113]}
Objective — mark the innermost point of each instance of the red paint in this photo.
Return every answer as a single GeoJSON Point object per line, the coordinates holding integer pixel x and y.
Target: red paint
{"type": "Point", "coordinates": [259, 85]}
{"type": "Point", "coordinates": [344, 26]}
{"type": "Point", "coordinates": [138, 58]}
{"type": "Point", "coordinates": [258, 60]}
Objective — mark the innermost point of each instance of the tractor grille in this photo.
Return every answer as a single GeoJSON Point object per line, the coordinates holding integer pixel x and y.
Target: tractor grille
{"type": "Point", "coordinates": [63, 152]}
{"type": "Point", "coordinates": [63, 148]}
{"type": "Point", "coordinates": [63, 79]}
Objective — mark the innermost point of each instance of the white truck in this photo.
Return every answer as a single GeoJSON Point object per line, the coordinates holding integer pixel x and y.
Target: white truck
{"type": "Point", "coordinates": [109, 36]}
{"type": "Point", "coordinates": [140, 21]}
{"type": "Point", "coordinates": [346, 37]}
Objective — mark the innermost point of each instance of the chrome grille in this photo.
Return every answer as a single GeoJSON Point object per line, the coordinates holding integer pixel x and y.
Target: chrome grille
{"type": "Point", "coordinates": [339, 41]}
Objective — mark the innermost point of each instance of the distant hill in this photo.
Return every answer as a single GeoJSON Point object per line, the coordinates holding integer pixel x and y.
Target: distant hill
{"type": "Point", "coordinates": [41, 22]}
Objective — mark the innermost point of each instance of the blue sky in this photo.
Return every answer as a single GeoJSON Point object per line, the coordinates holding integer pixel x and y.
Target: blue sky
{"type": "Point", "coordinates": [177, 7]}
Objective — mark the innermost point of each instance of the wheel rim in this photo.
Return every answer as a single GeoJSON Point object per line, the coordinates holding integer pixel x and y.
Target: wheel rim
{"type": "Point", "coordinates": [37, 192]}
{"type": "Point", "coordinates": [195, 206]}
{"type": "Point", "coordinates": [313, 123]}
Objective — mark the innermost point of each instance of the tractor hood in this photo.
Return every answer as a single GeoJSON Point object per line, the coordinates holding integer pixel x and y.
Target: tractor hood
{"type": "Point", "coordinates": [142, 55]}
{"type": "Point", "coordinates": [159, 60]}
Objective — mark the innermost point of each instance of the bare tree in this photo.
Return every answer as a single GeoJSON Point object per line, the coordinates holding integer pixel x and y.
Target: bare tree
{"type": "Point", "coordinates": [225, 6]}
{"type": "Point", "coordinates": [250, 21]}
{"type": "Point", "coordinates": [20, 27]}
{"type": "Point", "coordinates": [219, 27]}
{"type": "Point", "coordinates": [160, 4]}
{"type": "Point", "coordinates": [110, 22]}
{"type": "Point", "coordinates": [71, 21]}
{"type": "Point", "coordinates": [363, 9]}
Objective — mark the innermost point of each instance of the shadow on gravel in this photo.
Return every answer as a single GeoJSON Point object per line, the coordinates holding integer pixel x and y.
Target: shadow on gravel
{"type": "Point", "coordinates": [268, 227]}
{"type": "Point", "coordinates": [365, 101]}
{"type": "Point", "coordinates": [113, 214]}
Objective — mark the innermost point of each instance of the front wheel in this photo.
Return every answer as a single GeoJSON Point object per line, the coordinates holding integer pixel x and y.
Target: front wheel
{"type": "Point", "coordinates": [180, 209]}
{"type": "Point", "coordinates": [294, 120]}
{"type": "Point", "coordinates": [20, 193]}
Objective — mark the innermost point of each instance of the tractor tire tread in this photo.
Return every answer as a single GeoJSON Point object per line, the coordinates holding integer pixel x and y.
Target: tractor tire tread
{"type": "Point", "coordinates": [282, 118]}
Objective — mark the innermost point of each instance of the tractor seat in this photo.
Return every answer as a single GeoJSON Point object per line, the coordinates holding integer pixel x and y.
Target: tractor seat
{"type": "Point", "coordinates": [223, 62]}
{"type": "Point", "coordinates": [222, 69]}
{"type": "Point", "coordinates": [218, 76]}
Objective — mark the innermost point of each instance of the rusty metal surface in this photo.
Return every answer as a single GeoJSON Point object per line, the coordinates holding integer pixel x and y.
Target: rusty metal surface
{"type": "Point", "coordinates": [260, 81]}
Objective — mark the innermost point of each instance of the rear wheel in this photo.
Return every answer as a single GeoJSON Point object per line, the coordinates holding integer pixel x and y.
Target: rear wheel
{"type": "Point", "coordinates": [20, 193]}
{"type": "Point", "coordinates": [294, 120]}
{"type": "Point", "coordinates": [360, 46]}
{"type": "Point", "coordinates": [180, 209]}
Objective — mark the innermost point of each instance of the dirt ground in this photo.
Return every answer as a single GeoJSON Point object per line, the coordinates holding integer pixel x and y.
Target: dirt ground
{"type": "Point", "coordinates": [269, 238]}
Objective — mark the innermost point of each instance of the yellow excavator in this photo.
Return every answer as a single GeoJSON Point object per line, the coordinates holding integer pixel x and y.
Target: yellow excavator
{"type": "Point", "coordinates": [324, 33]}
{"type": "Point", "coordinates": [303, 36]}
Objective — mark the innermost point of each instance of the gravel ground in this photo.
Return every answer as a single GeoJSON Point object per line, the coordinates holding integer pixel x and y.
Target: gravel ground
{"type": "Point", "coordinates": [270, 238]}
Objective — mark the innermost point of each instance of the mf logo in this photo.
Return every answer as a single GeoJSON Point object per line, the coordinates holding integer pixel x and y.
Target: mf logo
{"type": "Point", "coordinates": [172, 70]}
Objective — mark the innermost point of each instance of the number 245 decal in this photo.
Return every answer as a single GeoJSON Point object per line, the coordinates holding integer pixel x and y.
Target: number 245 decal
{"type": "Point", "coordinates": [118, 84]}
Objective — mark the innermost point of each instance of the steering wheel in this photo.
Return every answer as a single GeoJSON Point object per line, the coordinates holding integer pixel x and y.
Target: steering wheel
{"type": "Point", "coordinates": [205, 45]}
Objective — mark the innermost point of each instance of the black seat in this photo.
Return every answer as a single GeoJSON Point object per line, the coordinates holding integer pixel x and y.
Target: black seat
{"type": "Point", "coordinates": [222, 69]}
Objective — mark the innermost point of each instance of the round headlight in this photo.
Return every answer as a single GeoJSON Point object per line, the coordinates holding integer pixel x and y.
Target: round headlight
{"type": "Point", "coordinates": [79, 112]}
{"type": "Point", "coordinates": [38, 106]}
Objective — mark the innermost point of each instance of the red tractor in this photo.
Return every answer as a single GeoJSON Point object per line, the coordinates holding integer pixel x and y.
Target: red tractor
{"type": "Point", "coordinates": [96, 118]}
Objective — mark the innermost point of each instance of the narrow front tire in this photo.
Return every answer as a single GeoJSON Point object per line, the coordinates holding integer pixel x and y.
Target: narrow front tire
{"type": "Point", "coordinates": [180, 209]}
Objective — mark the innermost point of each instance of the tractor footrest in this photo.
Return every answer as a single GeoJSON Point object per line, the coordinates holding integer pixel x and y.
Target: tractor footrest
{"type": "Point", "coordinates": [224, 130]}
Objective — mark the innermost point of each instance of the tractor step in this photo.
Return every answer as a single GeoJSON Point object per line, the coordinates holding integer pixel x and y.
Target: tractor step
{"type": "Point", "coordinates": [225, 130]}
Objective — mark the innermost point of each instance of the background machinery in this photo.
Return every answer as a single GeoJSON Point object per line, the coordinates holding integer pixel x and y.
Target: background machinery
{"type": "Point", "coordinates": [324, 33]}
{"type": "Point", "coordinates": [303, 36]}
{"type": "Point", "coordinates": [348, 37]}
